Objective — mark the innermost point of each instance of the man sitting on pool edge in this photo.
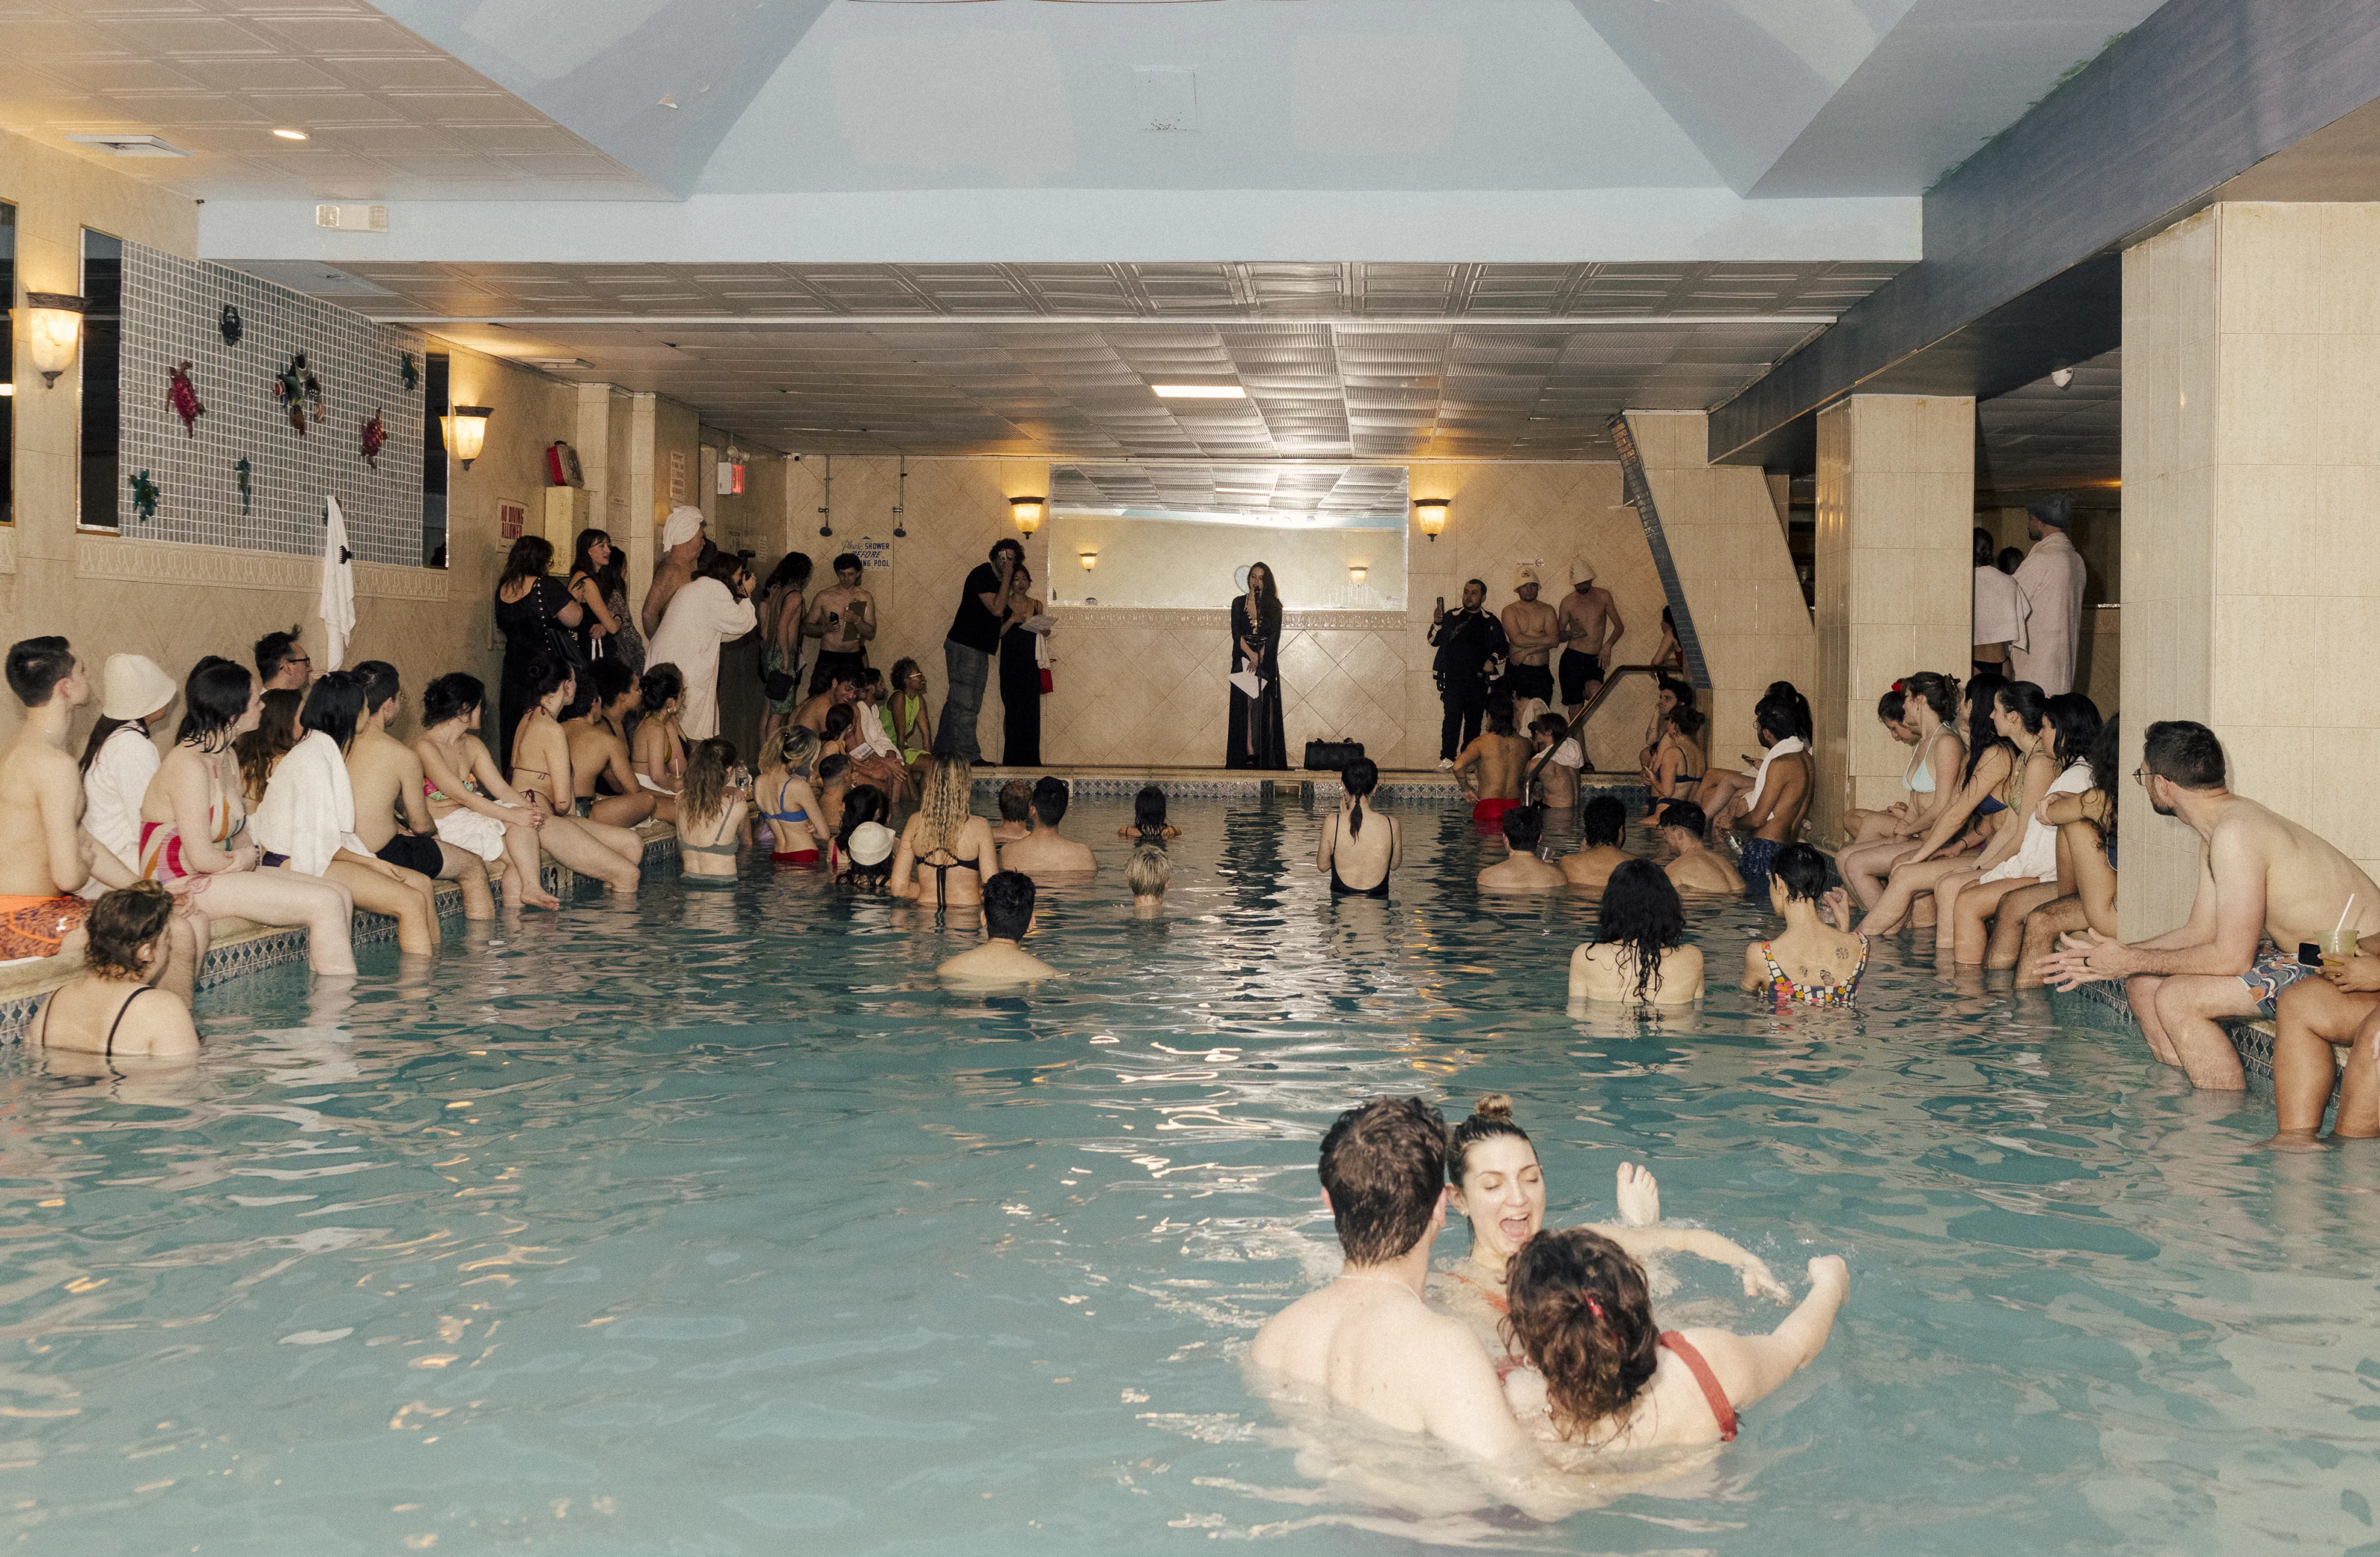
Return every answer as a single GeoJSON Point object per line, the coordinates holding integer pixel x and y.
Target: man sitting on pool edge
{"type": "Point", "coordinates": [1007, 918]}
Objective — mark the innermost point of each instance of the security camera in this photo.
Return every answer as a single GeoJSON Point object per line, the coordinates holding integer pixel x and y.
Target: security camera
{"type": "Point", "coordinates": [2061, 377]}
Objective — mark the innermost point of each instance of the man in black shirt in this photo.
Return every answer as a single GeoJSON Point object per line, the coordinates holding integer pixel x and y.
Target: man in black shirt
{"type": "Point", "coordinates": [984, 614]}
{"type": "Point", "coordinates": [1470, 644]}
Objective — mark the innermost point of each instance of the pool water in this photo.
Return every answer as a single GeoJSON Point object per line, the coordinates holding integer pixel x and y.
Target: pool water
{"type": "Point", "coordinates": [713, 1225]}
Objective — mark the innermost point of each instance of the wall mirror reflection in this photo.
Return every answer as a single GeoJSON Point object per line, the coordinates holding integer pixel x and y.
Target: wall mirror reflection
{"type": "Point", "coordinates": [1181, 536]}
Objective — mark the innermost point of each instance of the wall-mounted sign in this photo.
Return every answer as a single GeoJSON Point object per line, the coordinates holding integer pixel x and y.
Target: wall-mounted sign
{"type": "Point", "coordinates": [677, 476]}
{"type": "Point", "coordinates": [873, 554]}
{"type": "Point", "coordinates": [511, 519]}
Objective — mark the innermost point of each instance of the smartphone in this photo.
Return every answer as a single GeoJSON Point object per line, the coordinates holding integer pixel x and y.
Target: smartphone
{"type": "Point", "coordinates": [1441, 602]}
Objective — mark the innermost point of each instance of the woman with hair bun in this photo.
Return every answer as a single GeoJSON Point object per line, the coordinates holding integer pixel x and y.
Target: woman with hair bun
{"type": "Point", "coordinates": [1358, 863]}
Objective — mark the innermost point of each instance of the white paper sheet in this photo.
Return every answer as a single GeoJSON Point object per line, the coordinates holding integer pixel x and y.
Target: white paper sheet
{"type": "Point", "coordinates": [1246, 680]}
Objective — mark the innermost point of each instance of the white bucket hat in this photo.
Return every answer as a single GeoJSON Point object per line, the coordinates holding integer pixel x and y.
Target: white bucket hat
{"type": "Point", "coordinates": [871, 844]}
{"type": "Point", "coordinates": [134, 687]}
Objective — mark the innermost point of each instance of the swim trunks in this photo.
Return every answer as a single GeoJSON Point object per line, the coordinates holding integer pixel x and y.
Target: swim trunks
{"type": "Point", "coordinates": [1577, 669]}
{"type": "Point", "coordinates": [411, 851]}
{"type": "Point", "coordinates": [799, 857]}
{"type": "Point", "coordinates": [1759, 854]}
{"type": "Point", "coordinates": [2273, 971]}
{"type": "Point", "coordinates": [37, 926]}
{"type": "Point", "coordinates": [1532, 681]}
{"type": "Point", "coordinates": [1490, 814]}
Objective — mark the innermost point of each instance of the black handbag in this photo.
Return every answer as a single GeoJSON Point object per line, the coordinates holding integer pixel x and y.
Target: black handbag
{"type": "Point", "coordinates": [1332, 757]}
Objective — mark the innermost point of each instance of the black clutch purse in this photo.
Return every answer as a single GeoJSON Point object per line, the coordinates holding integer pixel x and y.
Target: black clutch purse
{"type": "Point", "coordinates": [1332, 757]}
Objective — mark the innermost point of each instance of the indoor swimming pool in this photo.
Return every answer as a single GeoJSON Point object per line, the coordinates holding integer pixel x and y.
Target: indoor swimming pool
{"type": "Point", "coordinates": [713, 1225]}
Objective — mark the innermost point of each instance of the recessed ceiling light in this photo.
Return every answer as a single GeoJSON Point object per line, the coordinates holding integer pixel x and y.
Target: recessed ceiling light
{"type": "Point", "coordinates": [130, 145]}
{"type": "Point", "coordinates": [292, 134]}
{"type": "Point", "coordinates": [1198, 391]}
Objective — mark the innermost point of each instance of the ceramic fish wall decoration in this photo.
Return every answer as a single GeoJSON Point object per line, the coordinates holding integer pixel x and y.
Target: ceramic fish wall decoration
{"type": "Point", "coordinates": [144, 497]}
{"type": "Point", "coordinates": [375, 435]}
{"type": "Point", "coordinates": [244, 470]}
{"type": "Point", "coordinates": [183, 397]}
{"type": "Point", "coordinates": [299, 392]}
{"type": "Point", "coordinates": [229, 322]}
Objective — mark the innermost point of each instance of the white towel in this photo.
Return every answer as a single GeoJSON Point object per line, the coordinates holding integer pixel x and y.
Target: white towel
{"type": "Point", "coordinates": [1790, 742]}
{"type": "Point", "coordinates": [309, 808]}
{"type": "Point", "coordinates": [338, 603]}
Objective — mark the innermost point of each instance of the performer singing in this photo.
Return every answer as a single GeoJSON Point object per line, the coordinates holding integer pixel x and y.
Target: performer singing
{"type": "Point", "coordinates": [1257, 740]}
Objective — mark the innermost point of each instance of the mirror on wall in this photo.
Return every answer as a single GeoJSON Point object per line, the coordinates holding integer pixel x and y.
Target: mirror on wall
{"type": "Point", "coordinates": [102, 358]}
{"type": "Point", "coordinates": [8, 366]}
{"type": "Point", "coordinates": [1175, 536]}
{"type": "Point", "coordinates": [434, 473]}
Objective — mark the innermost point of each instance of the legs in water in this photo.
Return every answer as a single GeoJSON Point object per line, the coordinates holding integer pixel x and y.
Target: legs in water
{"type": "Point", "coordinates": [404, 896]}
{"type": "Point", "coordinates": [2042, 929]}
{"type": "Point", "coordinates": [1865, 865]}
{"type": "Point", "coordinates": [2316, 1020]}
{"type": "Point", "coordinates": [468, 870]}
{"type": "Point", "coordinates": [525, 867]}
{"type": "Point", "coordinates": [320, 906]}
{"type": "Point", "coordinates": [2007, 929]}
{"type": "Point", "coordinates": [2181, 1015]}
{"type": "Point", "coordinates": [1907, 880]}
{"type": "Point", "coordinates": [1974, 907]}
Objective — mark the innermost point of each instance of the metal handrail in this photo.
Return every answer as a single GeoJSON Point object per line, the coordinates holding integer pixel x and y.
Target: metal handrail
{"type": "Point", "coordinates": [1612, 679]}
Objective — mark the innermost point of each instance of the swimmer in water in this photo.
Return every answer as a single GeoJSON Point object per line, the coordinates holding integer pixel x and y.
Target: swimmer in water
{"type": "Point", "coordinates": [1007, 918]}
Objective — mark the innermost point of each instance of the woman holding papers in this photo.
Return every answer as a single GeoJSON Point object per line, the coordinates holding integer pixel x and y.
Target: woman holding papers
{"type": "Point", "coordinates": [1257, 740]}
{"type": "Point", "coordinates": [1020, 674]}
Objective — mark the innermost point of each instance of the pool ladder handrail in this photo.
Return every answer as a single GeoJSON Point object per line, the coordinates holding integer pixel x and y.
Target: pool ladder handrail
{"type": "Point", "coordinates": [1612, 679]}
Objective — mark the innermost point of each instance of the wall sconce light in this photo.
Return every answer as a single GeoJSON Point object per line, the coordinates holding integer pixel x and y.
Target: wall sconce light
{"type": "Point", "coordinates": [1028, 513]}
{"type": "Point", "coordinates": [1089, 560]}
{"type": "Point", "coordinates": [1431, 512]}
{"type": "Point", "coordinates": [1357, 572]}
{"type": "Point", "coordinates": [467, 432]}
{"type": "Point", "coordinates": [56, 326]}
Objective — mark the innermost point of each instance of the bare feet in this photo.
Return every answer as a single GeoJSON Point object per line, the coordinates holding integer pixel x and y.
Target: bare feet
{"type": "Point", "coordinates": [1639, 1197]}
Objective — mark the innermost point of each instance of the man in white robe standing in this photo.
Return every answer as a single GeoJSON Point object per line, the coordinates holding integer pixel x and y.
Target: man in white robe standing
{"type": "Point", "coordinates": [2051, 577]}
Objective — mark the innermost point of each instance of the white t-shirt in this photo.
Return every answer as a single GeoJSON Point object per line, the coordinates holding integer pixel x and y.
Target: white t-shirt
{"type": "Point", "coordinates": [112, 793]}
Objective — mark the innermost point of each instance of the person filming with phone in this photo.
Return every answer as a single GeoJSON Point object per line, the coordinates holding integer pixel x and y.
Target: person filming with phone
{"type": "Point", "coordinates": [1471, 649]}
{"type": "Point", "coordinates": [843, 619]}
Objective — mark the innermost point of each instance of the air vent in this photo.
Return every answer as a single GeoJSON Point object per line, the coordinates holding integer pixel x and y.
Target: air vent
{"type": "Point", "coordinates": [130, 145]}
{"type": "Point", "coordinates": [352, 218]}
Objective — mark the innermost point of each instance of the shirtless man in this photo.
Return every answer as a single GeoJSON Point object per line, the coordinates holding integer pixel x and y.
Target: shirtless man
{"type": "Point", "coordinates": [599, 750]}
{"type": "Point", "coordinates": [681, 549]}
{"type": "Point", "coordinates": [843, 621]}
{"type": "Point", "coordinates": [1780, 796]}
{"type": "Point", "coordinates": [2264, 885]}
{"type": "Point", "coordinates": [1521, 870]}
{"type": "Point", "coordinates": [1697, 869]}
{"type": "Point", "coordinates": [1554, 763]}
{"type": "Point", "coordinates": [46, 855]}
{"type": "Point", "coordinates": [1587, 625]}
{"type": "Point", "coordinates": [1007, 919]}
{"type": "Point", "coordinates": [387, 779]}
{"type": "Point", "coordinates": [1497, 755]}
{"type": "Point", "coordinates": [1042, 854]}
{"type": "Point", "coordinates": [840, 690]}
{"type": "Point", "coordinates": [1602, 823]}
{"type": "Point", "coordinates": [1016, 811]}
{"type": "Point", "coordinates": [1531, 632]}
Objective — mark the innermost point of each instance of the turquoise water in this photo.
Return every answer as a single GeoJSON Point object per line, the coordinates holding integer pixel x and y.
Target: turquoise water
{"type": "Point", "coordinates": [713, 1225]}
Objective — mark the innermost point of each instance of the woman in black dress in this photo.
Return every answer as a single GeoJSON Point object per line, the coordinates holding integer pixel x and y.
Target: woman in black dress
{"type": "Point", "coordinates": [1257, 740]}
{"type": "Point", "coordinates": [529, 606]}
{"type": "Point", "coordinates": [1020, 678]}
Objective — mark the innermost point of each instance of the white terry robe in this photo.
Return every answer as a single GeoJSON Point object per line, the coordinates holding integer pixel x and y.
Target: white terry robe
{"type": "Point", "coordinates": [700, 617]}
{"type": "Point", "coordinates": [309, 808]}
{"type": "Point", "coordinates": [2000, 609]}
{"type": "Point", "coordinates": [2051, 577]}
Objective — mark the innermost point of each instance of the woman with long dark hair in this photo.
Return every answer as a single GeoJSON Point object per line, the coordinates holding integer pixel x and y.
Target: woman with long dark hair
{"type": "Point", "coordinates": [1991, 762]}
{"type": "Point", "coordinates": [599, 582]}
{"type": "Point", "coordinates": [1639, 955]}
{"type": "Point", "coordinates": [537, 617]}
{"type": "Point", "coordinates": [2020, 717]}
{"type": "Point", "coordinates": [781, 600]}
{"type": "Point", "coordinates": [1256, 738]}
{"type": "Point", "coordinates": [2070, 732]}
{"type": "Point", "coordinates": [1358, 860]}
{"type": "Point", "coordinates": [1020, 676]}
{"type": "Point", "coordinates": [2084, 893]}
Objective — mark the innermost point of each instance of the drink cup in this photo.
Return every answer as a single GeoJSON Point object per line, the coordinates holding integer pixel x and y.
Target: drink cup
{"type": "Point", "coordinates": [2337, 945]}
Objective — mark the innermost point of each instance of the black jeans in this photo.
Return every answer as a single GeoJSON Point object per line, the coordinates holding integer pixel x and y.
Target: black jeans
{"type": "Point", "coordinates": [1465, 707]}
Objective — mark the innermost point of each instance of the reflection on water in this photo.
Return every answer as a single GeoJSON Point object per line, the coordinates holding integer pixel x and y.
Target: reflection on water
{"type": "Point", "coordinates": [710, 1224]}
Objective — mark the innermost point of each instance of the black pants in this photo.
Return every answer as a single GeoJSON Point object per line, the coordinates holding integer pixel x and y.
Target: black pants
{"type": "Point", "coordinates": [1464, 709]}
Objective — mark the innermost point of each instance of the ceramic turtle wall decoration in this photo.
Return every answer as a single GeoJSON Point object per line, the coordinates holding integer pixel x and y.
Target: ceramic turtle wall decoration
{"type": "Point", "coordinates": [375, 435]}
{"type": "Point", "coordinates": [183, 397]}
{"type": "Point", "coordinates": [299, 392]}
{"type": "Point", "coordinates": [244, 471]}
{"type": "Point", "coordinates": [409, 374]}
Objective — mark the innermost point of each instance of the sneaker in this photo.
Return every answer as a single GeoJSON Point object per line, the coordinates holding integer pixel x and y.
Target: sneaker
{"type": "Point", "coordinates": [1446, 764]}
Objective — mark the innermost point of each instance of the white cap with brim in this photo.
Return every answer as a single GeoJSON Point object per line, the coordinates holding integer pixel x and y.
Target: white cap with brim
{"type": "Point", "coordinates": [871, 844]}
{"type": "Point", "coordinates": [682, 525]}
{"type": "Point", "coordinates": [134, 687]}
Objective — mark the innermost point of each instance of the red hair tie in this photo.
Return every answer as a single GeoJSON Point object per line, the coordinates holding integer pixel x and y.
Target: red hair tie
{"type": "Point", "coordinates": [1593, 1307]}
{"type": "Point", "coordinates": [1899, 687]}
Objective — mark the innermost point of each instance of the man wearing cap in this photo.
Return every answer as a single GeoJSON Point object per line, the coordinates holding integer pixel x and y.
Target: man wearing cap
{"type": "Point", "coordinates": [2051, 578]}
{"type": "Point", "coordinates": [1530, 631]}
{"type": "Point", "coordinates": [681, 549]}
{"type": "Point", "coordinates": [1587, 625]}
{"type": "Point", "coordinates": [134, 692]}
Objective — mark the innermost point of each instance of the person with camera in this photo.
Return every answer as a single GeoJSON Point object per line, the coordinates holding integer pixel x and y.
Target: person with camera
{"type": "Point", "coordinates": [843, 618]}
{"type": "Point", "coordinates": [1471, 649]}
{"type": "Point", "coordinates": [986, 606]}
{"type": "Point", "coordinates": [713, 609]}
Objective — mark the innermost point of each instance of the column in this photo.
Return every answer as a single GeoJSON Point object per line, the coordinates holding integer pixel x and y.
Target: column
{"type": "Point", "coordinates": [2251, 471]}
{"type": "Point", "coordinates": [1895, 580]}
{"type": "Point", "coordinates": [644, 509]}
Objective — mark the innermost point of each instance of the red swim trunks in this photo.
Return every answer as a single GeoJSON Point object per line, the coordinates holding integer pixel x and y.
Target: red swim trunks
{"type": "Point", "coordinates": [37, 926]}
{"type": "Point", "coordinates": [799, 857]}
{"type": "Point", "coordinates": [1490, 814]}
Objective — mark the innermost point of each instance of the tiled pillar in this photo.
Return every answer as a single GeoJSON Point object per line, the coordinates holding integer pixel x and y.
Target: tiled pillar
{"type": "Point", "coordinates": [644, 507]}
{"type": "Point", "coordinates": [1894, 576]}
{"type": "Point", "coordinates": [2251, 471]}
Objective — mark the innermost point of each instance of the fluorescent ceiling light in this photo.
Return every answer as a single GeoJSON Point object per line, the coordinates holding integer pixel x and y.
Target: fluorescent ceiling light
{"type": "Point", "coordinates": [292, 134]}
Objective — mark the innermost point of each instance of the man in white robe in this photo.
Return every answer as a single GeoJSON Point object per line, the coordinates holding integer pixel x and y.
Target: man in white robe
{"type": "Point", "coordinates": [2051, 577]}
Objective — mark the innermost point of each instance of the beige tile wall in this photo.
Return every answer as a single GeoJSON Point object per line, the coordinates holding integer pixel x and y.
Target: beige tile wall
{"type": "Point", "coordinates": [2251, 469]}
{"type": "Point", "coordinates": [1174, 565]}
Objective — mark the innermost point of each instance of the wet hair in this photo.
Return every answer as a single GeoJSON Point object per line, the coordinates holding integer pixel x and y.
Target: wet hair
{"type": "Point", "coordinates": [1491, 1116]}
{"type": "Point", "coordinates": [531, 558]}
{"type": "Point", "coordinates": [1151, 870]}
{"type": "Point", "coordinates": [704, 794]}
{"type": "Point", "coordinates": [1524, 826]}
{"type": "Point", "coordinates": [791, 572]}
{"type": "Point", "coordinates": [1359, 778]}
{"type": "Point", "coordinates": [1687, 815]}
{"type": "Point", "coordinates": [1641, 914]}
{"type": "Point", "coordinates": [832, 767]}
{"type": "Point", "coordinates": [121, 923]}
{"type": "Point", "coordinates": [662, 684]}
{"type": "Point", "coordinates": [1776, 717]}
{"type": "Point", "coordinates": [36, 665]}
{"type": "Point", "coordinates": [1016, 800]}
{"type": "Point", "coordinates": [1602, 823]}
{"type": "Point", "coordinates": [1939, 692]}
{"type": "Point", "coordinates": [379, 681]}
{"type": "Point", "coordinates": [452, 696]}
{"type": "Point", "coordinates": [214, 700]}
{"type": "Point", "coordinates": [2010, 559]}
{"type": "Point", "coordinates": [1499, 713]}
{"type": "Point", "coordinates": [1579, 1309]}
{"type": "Point", "coordinates": [1893, 707]}
{"type": "Point", "coordinates": [547, 675]}
{"type": "Point", "coordinates": [1687, 721]}
{"type": "Point", "coordinates": [262, 748]}
{"type": "Point", "coordinates": [1384, 1167]}
{"type": "Point", "coordinates": [2075, 718]}
{"type": "Point", "coordinates": [793, 749]}
{"type": "Point", "coordinates": [610, 679]}
{"type": "Point", "coordinates": [1800, 704]}
{"type": "Point", "coordinates": [2027, 702]}
{"type": "Point", "coordinates": [1984, 547]}
{"type": "Point", "coordinates": [862, 804]}
{"type": "Point", "coordinates": [1801, 870]}
{"type": "Point", "coordinates": [848, 560]}
{"type": "Point", "coordinates": [1050, 797]}
{"type": "Point", "coordinates": [1008, 906]}
{"type": "Point", "coordinates": [2184, 752]}
{"type": "Point", "coordinates": [272, 652]}
{"type": "Point", "coordinates": [333, 704]}
{"type": "Point", "coordinates": [1983, 694]}
{"type": "Point", "coordinates": [1148, 809]}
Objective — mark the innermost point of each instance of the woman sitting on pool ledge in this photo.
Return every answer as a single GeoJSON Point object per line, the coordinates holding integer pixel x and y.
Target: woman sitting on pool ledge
{"type": "Point", "coordinates": [1639, 955]}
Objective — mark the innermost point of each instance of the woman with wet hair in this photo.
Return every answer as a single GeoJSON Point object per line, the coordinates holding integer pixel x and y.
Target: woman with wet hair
{"type": "Point", "coordinates": [1358, 863]}
{"type": "Point", "coordinates": [946, 837]}
{"type": "Point", "coordinates": [1148, 874]}
{"type": "Point", "coordinates": [1639, 955]}
{"type": "Point", "coordinates": [710, 813]}
{"type": "Point", "coordinates": [1817, 961]}
{"type": "Point", "coordinates": [101, 1011]}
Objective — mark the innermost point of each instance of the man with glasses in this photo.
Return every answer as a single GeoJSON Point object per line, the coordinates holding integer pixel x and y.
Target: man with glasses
{"type": "Point", "coordinates": [282, 662]}
{"type": "Point", "coordinates": [2265, 887]}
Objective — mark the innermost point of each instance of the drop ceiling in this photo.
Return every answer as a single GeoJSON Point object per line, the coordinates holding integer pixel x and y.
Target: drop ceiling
{"type": "Point", "coordinates": [2045, 438]}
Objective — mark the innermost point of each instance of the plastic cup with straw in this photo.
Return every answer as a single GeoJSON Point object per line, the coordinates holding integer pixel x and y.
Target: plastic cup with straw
{"type": "Point", "coordinates": [2339, 944]}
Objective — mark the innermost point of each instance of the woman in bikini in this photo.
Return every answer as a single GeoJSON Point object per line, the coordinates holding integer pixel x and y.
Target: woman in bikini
{"type": "Point", "coordinates": [1678, 763]}
{"type": "Point", "coordinates": [191, 825]}
{"type": "Point", "coordinates": [947, 839]}
{"type": "Point", "coordinates": [1926, 706]}
{"type": "Point", "coordinates": [1816, 961]}
{"type": "Point", "coordinates": [796, 823]}
{"type": "Point", "coordinates": [660, 748]}
{"type": "Point", "coordinates": [1149, 824]}
{"type": "Point", "coordinates": [470, 804]}
{"type": "Point", "coordinates": [541, 776]}
{"type": "Point", "coordinates": [2018, 848]}
{"type": "Point", "coordinates": [2011, 889]}
{"type": "Point", "coordinates": [1860, 825]}
{"type": "Point", "coordinates": [102, 1011]}
{"type": "Point", "coordinates": [1359, 862]}
{"type": "Point", "coordinates": [711, 813]}
{"type": "Point", "coordinates": [1990, 761]}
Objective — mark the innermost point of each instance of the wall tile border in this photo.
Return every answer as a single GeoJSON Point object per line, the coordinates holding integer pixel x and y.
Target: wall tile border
{"type": "Point", "coordinates": [229, 567]}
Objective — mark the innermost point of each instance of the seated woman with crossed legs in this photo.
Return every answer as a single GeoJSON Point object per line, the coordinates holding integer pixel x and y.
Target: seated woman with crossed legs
{"type": "Point", "coordinates": [2010, 890]}
{"type": "Point", "coordinates": [1990, 761]}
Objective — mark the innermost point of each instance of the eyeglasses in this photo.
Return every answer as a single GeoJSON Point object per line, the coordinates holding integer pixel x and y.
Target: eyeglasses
{"type": "Point", "coordinates": [297, 660]}
{"type": "Point", "coordinates": [2141, 776]}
